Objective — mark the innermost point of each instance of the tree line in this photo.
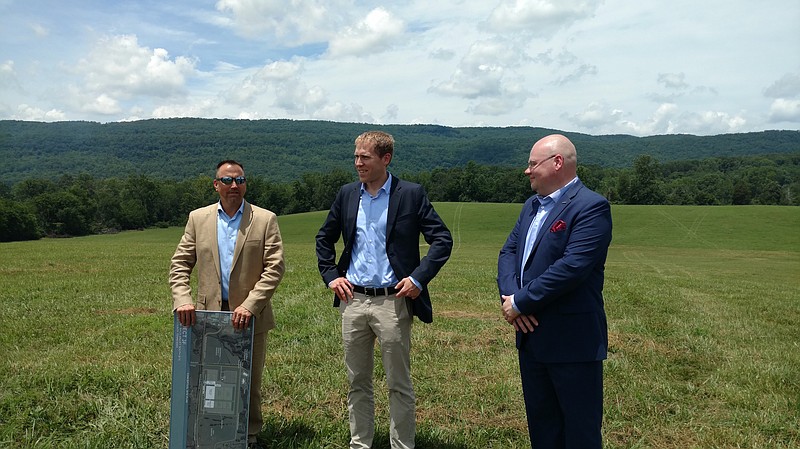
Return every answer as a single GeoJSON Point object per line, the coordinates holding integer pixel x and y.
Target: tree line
{"type": "Point", "coordinates": [282, 150]}
{"type": "Point", "coordinates": [76, 205]}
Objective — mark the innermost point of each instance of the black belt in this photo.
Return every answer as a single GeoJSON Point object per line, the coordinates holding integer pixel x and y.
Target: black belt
{"type": "Point", "coordinates": [369, 291]}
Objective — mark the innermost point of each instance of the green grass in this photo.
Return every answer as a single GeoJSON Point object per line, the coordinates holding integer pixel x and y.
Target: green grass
{"type": "Point", "coordinates": [703, 306]}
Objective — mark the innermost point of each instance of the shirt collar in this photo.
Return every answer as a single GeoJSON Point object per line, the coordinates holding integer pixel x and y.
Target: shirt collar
{"type": "Point", "coordinates": [555, 196]}
{"type": "Point", "coordinates": [238, 211]}
{"type": "Point", "coordinates": [386, 187]}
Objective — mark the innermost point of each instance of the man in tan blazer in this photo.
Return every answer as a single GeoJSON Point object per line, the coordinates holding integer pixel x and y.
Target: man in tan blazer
{"type": "Point", "coordinates": [237, 250]}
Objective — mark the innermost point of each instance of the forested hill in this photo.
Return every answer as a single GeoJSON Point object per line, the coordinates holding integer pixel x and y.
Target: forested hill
{"type": "Point", "coordinates": [282, 150]}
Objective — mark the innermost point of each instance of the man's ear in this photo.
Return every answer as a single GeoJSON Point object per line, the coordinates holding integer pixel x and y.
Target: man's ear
{"type": "Point", "coordinates": [387, 158]}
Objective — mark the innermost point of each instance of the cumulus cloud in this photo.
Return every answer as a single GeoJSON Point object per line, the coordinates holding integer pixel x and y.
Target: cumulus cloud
{"type": "Point", "coordinates": [783, 110]}
{"type": "Point", "coordinates": [281, 82]}
{"type": "Point", "coordinates": [30, 113]}
{"type": "Point", "coordinates": [341, 112]}
{"type": "Point", "coordinates": [297, 22]}
{"type": "Point", "coordinates": [481, 72]}
{"type": "Point", "coordinates": [673, 80]}
{"type": "Point", "coordinates": [539, 17]}
{"type": "Point", "coordinates": [101, 104]}
{"type": "Point", "coordinates": [118, 69]}
{"type": "Point", "coordinates": [788, 86]}
{"type": "Point", "coordinates": [373, 34]}
{"type": "Point", "coordinates": [668, 119]}
{"type": "Point", "coordinates": [201, 108]}
{"type": "Point", "coordinates": [595, 116]}
{"type": "Point", "coordinates": [391, 113]}
{"type": "Point", "coordinates": [268, 76]}
{"type": "Point", "coordinates": [487, 73]}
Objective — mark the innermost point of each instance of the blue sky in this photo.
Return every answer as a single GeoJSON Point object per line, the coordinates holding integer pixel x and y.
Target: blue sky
{"type": "Point", "coordinates": [597, 67]}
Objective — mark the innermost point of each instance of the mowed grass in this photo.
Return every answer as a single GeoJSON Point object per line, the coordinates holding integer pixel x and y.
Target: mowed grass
{"type": "Point", "coordinates": [703, 305]}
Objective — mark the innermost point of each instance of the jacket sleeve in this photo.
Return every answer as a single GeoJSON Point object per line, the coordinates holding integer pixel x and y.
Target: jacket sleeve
{"type": "Point", "coordinates": [181, 266]}
{"type": "Point", "coordinates": [436, 234]}
{"type": "Point", "coordinates": [507, 277]}
{"type": "Point", "coordinates": [326, 240]}
{"type": "Point", "coordinates": [273, 268]}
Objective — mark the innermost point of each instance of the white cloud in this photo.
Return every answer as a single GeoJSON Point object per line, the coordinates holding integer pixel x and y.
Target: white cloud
{"type": "Point", "coordinates": [783, 110]}
{"type": "Point", "coordinates": [341, 112]}
{"type": "Point", "coordinates": [117, 69]}
{"type": "Point", "coordinates": [539, 17]}
{"type": "Point", "coordinates": [295, 22]}
{"type": "Point", "coordinates": [199, 109]}
{"type": "Point", "coordinates": [788, 86]}
{"type": "Point", "coordinates": [673, 80]}
{"type": "Point", "coordinates": [669, 119]}
{"type": "Point", "coordinates": [39, 30]}
{"type": "Point", "coordinates": [660, 123]}
{"type": "Point", "coordinates": [487, 73]}
{"type": "Point", "coordinates": [256, 85]}
{"type": "Point", "coordinates": [595, 116]}
{"type": "Point", "coordinates": [371, 35]}
{"type": "Point", "coordinates": [30, 113]}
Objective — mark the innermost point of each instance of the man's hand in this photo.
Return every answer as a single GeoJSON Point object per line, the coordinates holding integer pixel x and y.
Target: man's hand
{"type": "Point", "coordinates": [406, 287]}
{"type": "Point", "coordinates": [241, 318]}
{"type": "Point", "coordinates": [343, 288]}
{"type": "Point", "coordinates": [522, 323]}
{"type": "Point", "coordinates": [186, 315]}
{"type": "Point", "coordinates": [507, 307]}
{"type": "Point", "coordinates": [525, 323]}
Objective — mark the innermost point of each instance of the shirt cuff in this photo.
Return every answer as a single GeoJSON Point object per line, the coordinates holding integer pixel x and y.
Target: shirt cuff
{"type": "Point", "coordinates": [514, 305]}
{"type": "Point", "coordinates": [419, 286]}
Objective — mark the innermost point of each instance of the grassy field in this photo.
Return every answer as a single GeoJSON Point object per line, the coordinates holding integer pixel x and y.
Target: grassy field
{"type": "Point", "coordinates": [703, 306]}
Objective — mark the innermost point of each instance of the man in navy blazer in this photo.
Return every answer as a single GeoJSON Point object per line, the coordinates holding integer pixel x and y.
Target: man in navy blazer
{"type": "Point", "coordinates": [550, 277]}
{"type": "Point", "coordinates": [380, 282]}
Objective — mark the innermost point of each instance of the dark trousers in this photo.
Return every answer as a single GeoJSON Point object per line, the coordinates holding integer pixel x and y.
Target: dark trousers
{"type": "Point", "coordinates": [563, 402]}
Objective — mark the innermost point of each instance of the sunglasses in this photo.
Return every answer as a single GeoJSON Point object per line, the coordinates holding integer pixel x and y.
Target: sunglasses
{"type": "Point", "coordinates": [227, 180]}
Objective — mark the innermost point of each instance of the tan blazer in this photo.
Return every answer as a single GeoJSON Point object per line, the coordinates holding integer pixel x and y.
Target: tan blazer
{"type": "Point", "coordinates": [257, 267]}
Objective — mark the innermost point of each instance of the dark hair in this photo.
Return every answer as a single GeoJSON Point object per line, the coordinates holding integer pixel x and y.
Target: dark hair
{"type": "Point", "coordinates": [383, 142]}
{"type": "Point", "coordinates": [231, 162]}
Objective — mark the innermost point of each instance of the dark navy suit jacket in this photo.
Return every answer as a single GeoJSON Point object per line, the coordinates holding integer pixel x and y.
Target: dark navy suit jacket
{"type": "Point", "coordinates": [410, 214]}
{"type": "Point", "coordinates": [562, 281]}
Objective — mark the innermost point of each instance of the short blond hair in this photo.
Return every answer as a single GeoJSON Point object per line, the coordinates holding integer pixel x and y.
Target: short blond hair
{"type": "Point", "coordinates": [383, 142]}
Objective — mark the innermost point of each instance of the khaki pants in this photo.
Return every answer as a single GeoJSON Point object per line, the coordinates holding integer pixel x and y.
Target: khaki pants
{"type": "Point", "coordinates": [388, 319]}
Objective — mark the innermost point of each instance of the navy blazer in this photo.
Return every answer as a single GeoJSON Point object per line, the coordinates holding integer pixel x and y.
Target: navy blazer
{"type": "Point", "coordinates": [410, 214]}
{"type": "Point", "coordinates": [562, 281]}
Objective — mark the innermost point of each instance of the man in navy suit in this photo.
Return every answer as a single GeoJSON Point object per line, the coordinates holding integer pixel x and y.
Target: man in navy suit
{"type": "Point", "coordinates": [380, 282]}
{"type": "Point", "coordinates": [550, 277]}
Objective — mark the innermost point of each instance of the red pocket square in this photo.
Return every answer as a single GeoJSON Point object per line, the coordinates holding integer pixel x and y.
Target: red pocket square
{"type": "Point", "coordinates": [558, 226]}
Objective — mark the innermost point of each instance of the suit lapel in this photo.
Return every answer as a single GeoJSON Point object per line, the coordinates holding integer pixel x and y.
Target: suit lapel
{"type": "Point", "coordinates": [241, 236]}
{"type": "Point", "coordinates": [351, 214]}
{"type": "Point", "coordinates": [212, 221]}
{"type": "Point", "coordinates": [523, 230]}
{"type": "Point", "coordinates": [558, 209]}
{"type": "Point", "coordinates": [394, 205]}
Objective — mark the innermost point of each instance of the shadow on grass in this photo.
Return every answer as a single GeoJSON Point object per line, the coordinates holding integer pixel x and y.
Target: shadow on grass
{"type": "Point", "coordinates": [278, 433]}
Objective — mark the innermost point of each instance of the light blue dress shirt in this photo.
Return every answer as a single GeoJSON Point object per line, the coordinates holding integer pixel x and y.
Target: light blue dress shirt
{"type": "Point", "coordinates": [546, 204]}
{"type": "Point", "coordinates": [369, 265]}
{"type": "Point", "coordinates": [227, 230]}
